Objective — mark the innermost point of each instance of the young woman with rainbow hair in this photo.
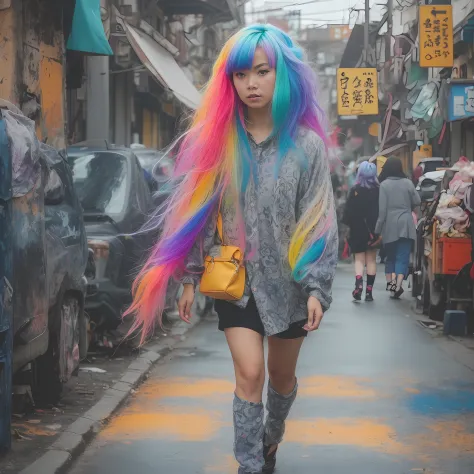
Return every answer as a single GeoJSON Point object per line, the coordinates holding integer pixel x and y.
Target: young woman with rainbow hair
{"type": "Point", "coordinates": [255, 153]}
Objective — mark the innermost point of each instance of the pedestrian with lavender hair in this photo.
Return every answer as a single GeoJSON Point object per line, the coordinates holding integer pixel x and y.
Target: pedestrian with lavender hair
{"type": "Point", "coordinates": [360, 215]}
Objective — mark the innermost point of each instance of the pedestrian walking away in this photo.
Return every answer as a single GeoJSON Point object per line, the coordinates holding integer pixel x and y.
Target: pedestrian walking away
{"type": "Point", "coordinates": [398, 199]}
{"type": "Point", "coordinates": [360, 215]}
{"type": "Point", "coordinates": [252, 175]}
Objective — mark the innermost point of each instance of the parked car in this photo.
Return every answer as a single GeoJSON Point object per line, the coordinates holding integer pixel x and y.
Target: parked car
{"type": "Point", "coordinates": [50, 257]}
{"type": "Point", "coordinates": [116, 201]}
{"type": "Point", "coordinates": [67, 257]}
{"type": "Point", "coordinates": [429, 185]}
{"type": "Point", "coordinates": [150, 158]}
{"type": "Point", "coordinates": [158, 171]}
{"type": "Point", "coordinates": [427, 165]}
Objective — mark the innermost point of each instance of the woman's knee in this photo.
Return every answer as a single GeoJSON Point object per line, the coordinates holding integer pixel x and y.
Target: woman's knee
{"type": "Point", "coordinates": [283, 381]}
{"type": "Point", "coordinates": [250, 380]}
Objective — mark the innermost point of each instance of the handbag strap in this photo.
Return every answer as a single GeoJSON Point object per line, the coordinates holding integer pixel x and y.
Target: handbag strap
{"type": "Point", "coordinates": [220, 227]}
{"type": "Point", "coordinates": [220, 221]}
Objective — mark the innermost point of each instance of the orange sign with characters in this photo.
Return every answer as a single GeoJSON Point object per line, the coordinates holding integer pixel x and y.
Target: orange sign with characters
{"type": "Point", "coordinates": [436, 36]}
{"type": "Point", "coordinates": [357, 91]}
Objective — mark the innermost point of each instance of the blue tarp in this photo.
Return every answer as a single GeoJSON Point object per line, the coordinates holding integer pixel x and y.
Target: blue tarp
{"type": "Point", "coordinates": [87, 34]}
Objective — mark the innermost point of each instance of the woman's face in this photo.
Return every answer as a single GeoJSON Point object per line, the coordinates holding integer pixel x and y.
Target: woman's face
{"type": "Point", "coordinates": [255, 86]}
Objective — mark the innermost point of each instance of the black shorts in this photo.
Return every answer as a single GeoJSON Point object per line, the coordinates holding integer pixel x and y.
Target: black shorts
{"type": "Point", "coordinates": [231, 316]}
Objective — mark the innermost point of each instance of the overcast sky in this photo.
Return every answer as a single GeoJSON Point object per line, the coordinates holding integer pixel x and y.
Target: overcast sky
{"type": "Point", "coordinates": [321, 12]}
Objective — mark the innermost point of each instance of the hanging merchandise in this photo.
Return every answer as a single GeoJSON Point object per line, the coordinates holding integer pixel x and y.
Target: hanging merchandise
{"type": "Point", "coordinates": [87, 34]}
{"type": "Point", "coordinates": [415, 77]}
{"type": "Point", "coordinates": [424, 104]}
{"type": "Point", "coordinates": [436, 123]}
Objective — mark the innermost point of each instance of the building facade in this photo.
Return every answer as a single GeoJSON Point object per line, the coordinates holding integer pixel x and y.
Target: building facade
{"type": "Point", "coordinates": [162, 57]}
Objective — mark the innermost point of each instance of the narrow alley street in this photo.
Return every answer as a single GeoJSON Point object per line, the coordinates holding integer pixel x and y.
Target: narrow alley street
{"type": "Point", "coordinates": [377, 395]}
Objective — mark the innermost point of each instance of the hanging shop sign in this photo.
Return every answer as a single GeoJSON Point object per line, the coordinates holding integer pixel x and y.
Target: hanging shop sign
{"type": "Point", "coordinates": [357, 91]}
{"type": "Point", "coordinates": [460, 101]}
{"type": "Point", "coordinates": [436, 36]}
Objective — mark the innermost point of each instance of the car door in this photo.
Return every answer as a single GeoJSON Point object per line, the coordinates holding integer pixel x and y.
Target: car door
{"type": "Point", "coordinates": [66, 236]}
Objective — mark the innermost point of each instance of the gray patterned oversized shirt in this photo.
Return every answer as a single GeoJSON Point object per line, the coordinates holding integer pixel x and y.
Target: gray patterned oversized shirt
{"type": "Point", "coordinates": [271, 210]}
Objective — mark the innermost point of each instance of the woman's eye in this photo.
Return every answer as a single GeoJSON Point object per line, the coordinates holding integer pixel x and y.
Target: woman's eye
{"type": "Point", "coordinates": [239, 75]}
{"type": "Point", "coordinates": [263, 72]}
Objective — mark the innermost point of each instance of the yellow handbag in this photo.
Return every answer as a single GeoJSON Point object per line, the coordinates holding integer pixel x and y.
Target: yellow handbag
{"type": "Point", "coordinates": [224, 274]}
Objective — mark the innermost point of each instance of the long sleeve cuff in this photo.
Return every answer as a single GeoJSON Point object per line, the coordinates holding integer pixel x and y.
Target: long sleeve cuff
{"type": "Point", "coordinates": [189, 280]}
{"type": "Point", "coordinates": [324, 299]}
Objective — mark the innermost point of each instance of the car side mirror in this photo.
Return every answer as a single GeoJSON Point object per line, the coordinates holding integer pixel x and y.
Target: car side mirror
{"type": "Point", "coordinates": [54, 190]}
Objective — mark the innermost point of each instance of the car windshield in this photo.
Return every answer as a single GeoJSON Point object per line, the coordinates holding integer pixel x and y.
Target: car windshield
{"type": "Point", "coordinates": [432, 165]}
{"type": "Point", "coordinates": [100, 180]}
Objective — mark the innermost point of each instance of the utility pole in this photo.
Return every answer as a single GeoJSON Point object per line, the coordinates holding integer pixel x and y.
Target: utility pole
{"type": "Point", "coordinates": [367, 138]}
{"type": "Point", "coordinates": [388, 39]}
{"type": "Point", "coordinates": [366, 33]}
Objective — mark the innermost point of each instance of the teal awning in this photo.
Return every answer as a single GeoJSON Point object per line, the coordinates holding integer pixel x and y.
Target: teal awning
{"type": "Point", "coordinates": [87, 34]}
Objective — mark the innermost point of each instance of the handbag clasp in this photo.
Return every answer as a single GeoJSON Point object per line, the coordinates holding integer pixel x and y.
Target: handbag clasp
{"type": "Point", "coordinates": [210, 267]}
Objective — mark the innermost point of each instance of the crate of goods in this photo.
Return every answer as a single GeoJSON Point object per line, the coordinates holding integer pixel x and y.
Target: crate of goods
{"type": "Point", "coordinates": [453, 253]}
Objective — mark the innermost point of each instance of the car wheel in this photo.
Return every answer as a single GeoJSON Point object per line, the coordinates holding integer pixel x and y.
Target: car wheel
{"type": "Point", "coordinates": [437, 301]}
{"type": "Point", "coordinates": [47, 385]}
{"type": "Point", "coordinates": [60, 361]}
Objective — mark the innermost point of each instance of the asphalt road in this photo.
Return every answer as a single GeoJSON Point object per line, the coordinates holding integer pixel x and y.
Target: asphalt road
{"type": "Point", "coordinates": [378, 395]}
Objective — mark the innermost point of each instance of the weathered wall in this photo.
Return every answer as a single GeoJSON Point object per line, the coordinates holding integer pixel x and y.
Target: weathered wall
{"type": "Point", "coordinates": [32, 73]}
{"type": "Point", "coordinates": [8, 55]}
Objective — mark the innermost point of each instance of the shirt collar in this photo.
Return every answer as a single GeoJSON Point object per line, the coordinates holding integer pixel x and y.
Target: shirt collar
{"type": "Point", "coordinates": [268, 141]}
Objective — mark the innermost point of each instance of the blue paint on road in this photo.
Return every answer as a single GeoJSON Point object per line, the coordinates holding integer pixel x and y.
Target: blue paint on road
{"type": "Point", "coordinates": [442, 402]}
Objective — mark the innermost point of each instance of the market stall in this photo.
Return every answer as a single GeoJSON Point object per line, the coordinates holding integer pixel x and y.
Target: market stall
{"type": "Point", "coordinates": [444, 250]}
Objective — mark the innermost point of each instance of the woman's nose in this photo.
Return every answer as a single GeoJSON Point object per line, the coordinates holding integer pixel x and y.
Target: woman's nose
{"type": "Point", "coordinates": [251, 83]}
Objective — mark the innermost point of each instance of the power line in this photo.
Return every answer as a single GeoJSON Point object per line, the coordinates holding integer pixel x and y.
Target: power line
{"type": "Point", "coordinates": [289, 5]}
{"type": "Point", "coordinates": [313, 13]}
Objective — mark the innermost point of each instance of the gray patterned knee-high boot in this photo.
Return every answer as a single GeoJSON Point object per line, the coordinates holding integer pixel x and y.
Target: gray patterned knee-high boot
{"type": "Point", "coordinates": [278, 407]}
{"type": "Point", "coordinates": [248, 435]}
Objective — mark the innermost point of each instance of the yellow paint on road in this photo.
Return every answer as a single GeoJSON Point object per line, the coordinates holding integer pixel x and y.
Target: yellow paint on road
{"type": "Point", "coordinates": [316, 386]}
{"type": "Point", "coordinates": [363, 433]}
{"type": "Point", "coordinates": [175, 425]}
{"type": "Point", "coordinates": [335, 386]}
{"type": "Point", "coordinates": [186, 388]}
{"type": "Point", "coordinates": [446, 436]}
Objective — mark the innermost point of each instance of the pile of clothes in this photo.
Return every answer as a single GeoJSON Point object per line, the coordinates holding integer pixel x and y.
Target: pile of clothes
{"type": "Point", "coordinates": [454, 206]}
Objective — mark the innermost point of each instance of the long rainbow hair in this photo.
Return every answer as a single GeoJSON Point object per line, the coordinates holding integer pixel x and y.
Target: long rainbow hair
{"type": "Point", "coordinates": [214, 162]}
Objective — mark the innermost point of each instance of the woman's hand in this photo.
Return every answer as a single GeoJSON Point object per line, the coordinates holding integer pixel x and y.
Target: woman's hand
{"type": "Point", "coordinates": [377, 242]}
{"type": "Point", "coordinates": [315, 314]}
{"type": "Point", "coordinates": [186, 302]}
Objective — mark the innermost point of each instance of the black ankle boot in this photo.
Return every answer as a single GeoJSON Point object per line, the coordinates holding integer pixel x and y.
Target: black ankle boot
{"type": "Point", "coordinates": [359, 286]}
{"type": "Point", "coordinates": [368, 294]}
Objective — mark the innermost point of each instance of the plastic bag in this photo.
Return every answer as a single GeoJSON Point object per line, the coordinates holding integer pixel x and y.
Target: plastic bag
{"type": "Point", "coordinates": [25, 149]}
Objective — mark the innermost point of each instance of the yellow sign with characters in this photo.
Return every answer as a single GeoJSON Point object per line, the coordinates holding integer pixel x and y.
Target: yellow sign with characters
{"type": "Point", "coordinates": [436, 36]}
{"type": "Point", "coordinates": [357, 91]}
